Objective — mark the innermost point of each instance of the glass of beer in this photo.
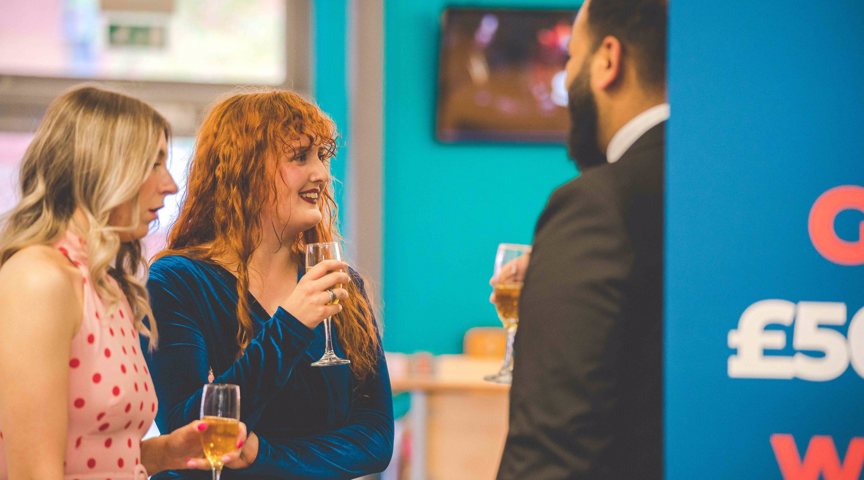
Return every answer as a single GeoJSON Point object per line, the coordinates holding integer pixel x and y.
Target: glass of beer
{"type": "Point", "coordinates": [510, 263]}
{"type": "Point", "coordinates": [315, 254]}
{"type": "Point", "coordinates": [220, 410]}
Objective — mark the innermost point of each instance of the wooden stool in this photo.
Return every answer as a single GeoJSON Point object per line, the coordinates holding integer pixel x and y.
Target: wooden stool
{"type": "Point", "coordinates": [487, 342]}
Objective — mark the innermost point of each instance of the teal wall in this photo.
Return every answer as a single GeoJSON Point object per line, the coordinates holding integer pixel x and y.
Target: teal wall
{"type": "Point", "coordinates": [446, 207]}
{"type": "Point", "coordinates": [330, 86]}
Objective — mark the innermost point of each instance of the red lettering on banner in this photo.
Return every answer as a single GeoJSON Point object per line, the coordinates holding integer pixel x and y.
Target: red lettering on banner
{"type": "Point", "coordinates": [821, 460]}
{"type": "Point", "coordinates": [821, 225]}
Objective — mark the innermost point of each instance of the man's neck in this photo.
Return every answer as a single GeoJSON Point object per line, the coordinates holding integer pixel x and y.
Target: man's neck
{"type": "Point", "coordinates": [627, 135]}
{"type": "Point", "coordinates": [621, 111]}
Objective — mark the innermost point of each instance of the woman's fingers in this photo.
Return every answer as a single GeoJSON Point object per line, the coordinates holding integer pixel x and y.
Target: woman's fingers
{"type": "Point", "coordinates": [241, 435]}
{"type": "Point", "coordinates": [329, 281]}
{"type": "Point", "coordinates": [331, 310]}
{"type": "Point", "coordinates": [231, 459]}
{"type": "Point", "coordinates": [319, 294]}
{"type": "Point", "coordinates": [341, 294]}
{"type": "Point", "coordinates": [325, 267]}
{"type": "Point", "coordinates": [197, 464]}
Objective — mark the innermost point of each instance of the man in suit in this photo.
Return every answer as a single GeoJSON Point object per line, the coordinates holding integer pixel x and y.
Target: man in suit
{"type": "Point", "coordinates": [586, 400]}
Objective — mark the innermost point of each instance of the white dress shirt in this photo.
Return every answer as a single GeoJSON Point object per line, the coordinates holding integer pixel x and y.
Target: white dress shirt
{"type": "Point", "coordinates": [635, 128]}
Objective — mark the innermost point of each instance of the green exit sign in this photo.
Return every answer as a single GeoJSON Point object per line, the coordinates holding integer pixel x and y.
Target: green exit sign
{"type": "Point", "coordinates": [146, 36]}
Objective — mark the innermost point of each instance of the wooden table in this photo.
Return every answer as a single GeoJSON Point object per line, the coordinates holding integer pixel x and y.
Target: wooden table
{"type": "Point", "coordinates": [458, 420]}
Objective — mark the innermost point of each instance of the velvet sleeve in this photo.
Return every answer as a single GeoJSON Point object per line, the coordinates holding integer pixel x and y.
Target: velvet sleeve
{"type": "Point", "coordinates": [363, 445]}
{"type": "Point", "coordinates": [180, 365]}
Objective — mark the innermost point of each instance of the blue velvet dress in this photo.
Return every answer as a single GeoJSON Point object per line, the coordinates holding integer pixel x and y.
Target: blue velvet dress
{"type": "Point", "coordinates": [315, 423]}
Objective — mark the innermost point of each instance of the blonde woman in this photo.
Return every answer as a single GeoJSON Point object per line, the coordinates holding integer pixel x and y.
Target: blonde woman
{"type": "Point", "coordinates": [76, 395]}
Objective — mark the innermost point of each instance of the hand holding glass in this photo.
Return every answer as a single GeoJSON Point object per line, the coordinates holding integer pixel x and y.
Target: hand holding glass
{"type": "Point", "coordinates": [220, 409]}
{"type": "Point", "coordinates": [315, 254]}
{"type": "Point", "coordinates": [510, 264]}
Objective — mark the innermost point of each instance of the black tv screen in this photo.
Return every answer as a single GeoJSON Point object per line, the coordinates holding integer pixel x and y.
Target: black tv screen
{"type": "Point", "coordinates": [501, 75]}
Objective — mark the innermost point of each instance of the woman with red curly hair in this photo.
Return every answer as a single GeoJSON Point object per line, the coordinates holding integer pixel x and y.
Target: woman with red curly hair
{"type": "Point", "coordinates": [234, 303]}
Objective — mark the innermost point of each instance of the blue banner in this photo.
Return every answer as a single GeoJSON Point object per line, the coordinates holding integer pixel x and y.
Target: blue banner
{"type": "Point", "coordinates": [765, 241]}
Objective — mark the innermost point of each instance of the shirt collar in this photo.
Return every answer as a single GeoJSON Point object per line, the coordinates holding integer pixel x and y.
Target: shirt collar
{"type": "Point", "coordinates": [635, 128]}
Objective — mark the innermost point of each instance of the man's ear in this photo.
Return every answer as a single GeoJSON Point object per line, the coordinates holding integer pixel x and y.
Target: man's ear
{"type": "Point", "coordinates": [606, 63]}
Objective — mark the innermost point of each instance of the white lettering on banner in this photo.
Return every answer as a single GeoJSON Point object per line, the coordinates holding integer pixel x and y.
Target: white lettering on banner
{"type": "Point", "coordinates": [812, 332]}
{"type": "Point", "coordinates": [751, 340]}
{"type": "Point", "coordinates": [856, 341]}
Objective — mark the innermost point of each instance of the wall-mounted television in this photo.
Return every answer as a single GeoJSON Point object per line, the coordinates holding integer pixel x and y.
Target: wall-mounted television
{"type": "Point", "coordinates": [501, 75]}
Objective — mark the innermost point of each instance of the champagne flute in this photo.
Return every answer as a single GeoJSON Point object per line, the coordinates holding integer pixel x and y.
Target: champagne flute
{"type": "Point", "coordinates": [220, 410]}
{"type": "Point", "coordinates": [315, 254]}
{"type": "Point", "coordinates": [510, 263]}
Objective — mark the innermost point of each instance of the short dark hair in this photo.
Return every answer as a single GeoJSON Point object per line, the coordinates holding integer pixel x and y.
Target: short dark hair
{"type": "Point", "coordinates": [640, 25]}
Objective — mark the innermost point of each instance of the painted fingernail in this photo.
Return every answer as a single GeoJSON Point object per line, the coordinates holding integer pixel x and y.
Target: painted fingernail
{"type": "Point", "coordinates": [240, 444]}
{"type": "Point", "coordinates": [202, 426]}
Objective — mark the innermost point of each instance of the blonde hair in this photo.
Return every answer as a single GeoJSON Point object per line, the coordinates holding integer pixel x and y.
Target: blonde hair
{"type": "Point", "coordinates": [91, 153]}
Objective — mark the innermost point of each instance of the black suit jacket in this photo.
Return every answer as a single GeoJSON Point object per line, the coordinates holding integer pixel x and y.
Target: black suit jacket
{"type": "Point", "coordinates": [586, 400]}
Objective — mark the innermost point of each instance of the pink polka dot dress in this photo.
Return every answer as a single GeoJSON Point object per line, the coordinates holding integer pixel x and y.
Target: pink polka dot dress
{"type": "Point", "coordinates": [111, 399]}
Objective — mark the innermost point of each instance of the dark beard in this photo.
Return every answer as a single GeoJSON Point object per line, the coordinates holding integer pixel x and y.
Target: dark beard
{"type": "Point", "coordinates": [582, 143]}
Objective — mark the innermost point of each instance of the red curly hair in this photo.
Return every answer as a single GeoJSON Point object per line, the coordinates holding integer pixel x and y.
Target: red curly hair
{"type": "Point", "coordinates": [228, 181]}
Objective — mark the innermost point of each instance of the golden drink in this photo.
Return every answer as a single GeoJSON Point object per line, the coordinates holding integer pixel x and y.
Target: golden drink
{"type": "Point", "coordinates": [219, 439]}
{"type": "Point", "coordinates": [507, 303]}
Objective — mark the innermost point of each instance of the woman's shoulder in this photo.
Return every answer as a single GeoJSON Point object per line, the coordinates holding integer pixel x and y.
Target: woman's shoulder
{"type": "Point", "coordinates": [42, 267]}
{"type": "Point", "coordinates": [39, 275]}
{"type": "Point", "coordinates": [174, 261]}
{"type": "Point", "coordinates": [179, 267]}
{"type": "Point", "coordinates": [181, 262]}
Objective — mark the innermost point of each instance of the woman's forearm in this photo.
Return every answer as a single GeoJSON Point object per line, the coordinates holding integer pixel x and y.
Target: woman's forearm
{"type": "Point", "coordinates": [154, 454]}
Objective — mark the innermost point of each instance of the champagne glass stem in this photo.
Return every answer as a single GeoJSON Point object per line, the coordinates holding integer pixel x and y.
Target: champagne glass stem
{"type": "Point", "coordinates": [508, 352]}
{"type": "Point", "coordinates": [217, 472]}
{"type": "Point", "coordinates": [328, 338]}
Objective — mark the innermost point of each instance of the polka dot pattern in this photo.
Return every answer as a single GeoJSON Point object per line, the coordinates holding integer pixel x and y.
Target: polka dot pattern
{"type": "Point", "coordinates": [105, 386]}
